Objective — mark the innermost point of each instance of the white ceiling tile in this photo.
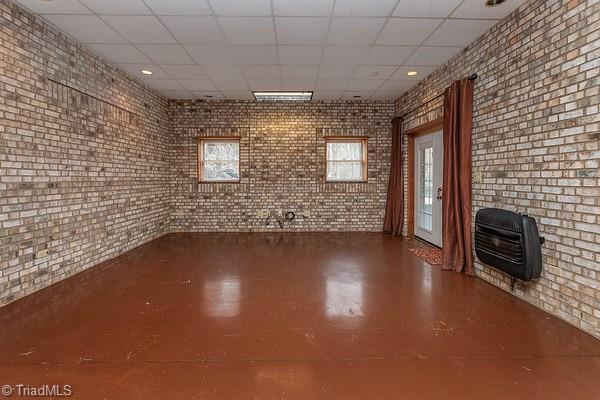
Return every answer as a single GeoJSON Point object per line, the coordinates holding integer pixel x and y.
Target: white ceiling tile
{"type": "Point", "coordinates": [426, 8]}
{"type": "Point", "coordinates": [241, 8]}
{"type": "Point", "coordinates": [239, 95]}
{"type": "Point", "coordinates": [255, 55]}
{"type": "Point", "coordinates": [423, 71]}
{"type": "Point", "coordinates": [134, 69]}
{"type": "Point", "coordinates": [184, 71]}
{"type": "Point", "coordinates": [120, 53]}
{"type": "Point", "coordinates": [219, 73]}
{"type": "Point", "coordinates": [179, 7]}
{"type": "Point", "coordinates": [304, 8]}
{"type": "Point", "coordinates": [248, 30]}
{"type": "Point", "coordinates": [388, 55]}
{"type": "Point", "coordinates": [54, 7]}
{"type": "Point", "coordinates": [162, 84]}
{"type": "Point", "coordinates": [364, 84]}
{"type": "Point", "coordinates": [345, 55]}
{"type": "Point", "coordinates": [306, 30]}
{"type": "Point", "coordinates": [261, 72]}
{"type": "Point", "coordinates": [197, 84]}
{"type": "Point", "coordinates": [407, 31]}
{"type": "Point", "coordinates": [300, 55]}
{"type": "Point", "coordinates": [166, 54]}
{"type": "Point", "coordinates": [398, 86]}
{"type": "Point", "coordinates": [210, 55]}
{"type": "Point", "coordinates": [140, 29]}
{"type": "Point", "coordinates": [382, 95]}
{"type": "Point", "coordinates": [208, 95]}
{"type": "Point", "coordinates": [373, 72]}
{"type": "Point", "coordinates": [357, 95]}
{"type": "Point", "coordinates": [177, 94]}
{"type": "Point", "coordinates": [459, 32]}
{"type": "Point", "coordinates": [232, 85]}
{"type": "Point", "coordinates": [194, 30]}
{"type": "Point", "coordinates": [354, 30]}
{"type": "Point", "coordinates": [477, 9]}
{"type": "Point", "coordinates": [118, 7]}
{"type": "Point", "coordinates": [336, 71]}
{"type": "Point", "coordinates": [299, 71]}
{"type": "Point", "coordinates": [325, 95]}
{"type": "Point", "coordinates": [265, 85]}
{"type": "Point", "coordinates": [332, 85]}
{"type": "Point", "coordinates": [86, 28]}
{"type": "Point", "coordinates": [298, 84]}
{"type": "Point", "coordinates": [432, 55]}
{"type": "Point", "coordinates": [363, 8]}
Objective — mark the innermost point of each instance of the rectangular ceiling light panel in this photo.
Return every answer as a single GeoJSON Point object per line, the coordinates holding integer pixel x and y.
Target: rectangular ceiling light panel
{"type": "Point", "coordinates": [283, 96]}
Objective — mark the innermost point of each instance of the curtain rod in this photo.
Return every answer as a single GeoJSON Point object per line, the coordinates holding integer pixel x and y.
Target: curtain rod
{"type": "Point", "coordinates": [472, 77]}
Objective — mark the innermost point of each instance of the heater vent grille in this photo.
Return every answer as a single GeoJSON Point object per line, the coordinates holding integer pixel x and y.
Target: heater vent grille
{"type": "Point", "coordinates": [509, 242]}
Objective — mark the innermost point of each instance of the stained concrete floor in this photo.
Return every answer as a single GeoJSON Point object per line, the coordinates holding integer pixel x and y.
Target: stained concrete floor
{"type": "Point", "coordinates": [289, 316]}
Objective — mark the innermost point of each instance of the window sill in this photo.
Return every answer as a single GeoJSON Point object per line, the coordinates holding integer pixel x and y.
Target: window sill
{"type": "Point", "coordinates": [219, 182]}
{"type": "Point", "coordinates": [346, 181]}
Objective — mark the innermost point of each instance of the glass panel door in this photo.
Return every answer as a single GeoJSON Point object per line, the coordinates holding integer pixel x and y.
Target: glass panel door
{"type": "Point", "coordinates": [428, 185]}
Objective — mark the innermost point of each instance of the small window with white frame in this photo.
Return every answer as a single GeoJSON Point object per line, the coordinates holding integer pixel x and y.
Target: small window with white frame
{"type": "Point", "coordinates": [219, 159]}
{"type": "Point", "coordinates": [346, 159]}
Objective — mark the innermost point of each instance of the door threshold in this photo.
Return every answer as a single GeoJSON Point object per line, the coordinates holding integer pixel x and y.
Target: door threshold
{"type": "Point", "coordinates": [426, 242]}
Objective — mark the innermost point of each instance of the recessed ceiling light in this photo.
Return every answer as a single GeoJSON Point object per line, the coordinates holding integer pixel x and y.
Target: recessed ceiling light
{"type": "Point", "coordinates": [412, 73]}
{"type": "Point", "coordinates": [146, 71]}
{"type": "Point", "coordinates": [493, 3]}
{"type": "Point", "coordinates": [283, 96]}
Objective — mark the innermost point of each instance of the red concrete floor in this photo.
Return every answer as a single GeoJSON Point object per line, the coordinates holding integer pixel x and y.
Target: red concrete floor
{"type": "Point", "coordinates": [289, 316]}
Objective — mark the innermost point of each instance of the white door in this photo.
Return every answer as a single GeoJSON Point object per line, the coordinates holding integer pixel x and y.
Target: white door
{"type": "Point", "coordinates": [429, 153]}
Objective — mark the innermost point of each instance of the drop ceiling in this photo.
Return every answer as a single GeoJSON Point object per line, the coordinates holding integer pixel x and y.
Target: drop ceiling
{"type": "Point", "coordinates": [224, 49]}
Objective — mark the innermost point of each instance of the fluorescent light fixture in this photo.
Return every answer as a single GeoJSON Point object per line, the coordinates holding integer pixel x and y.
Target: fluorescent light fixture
{"type": "Point", "coordinates": [412, 73]}
{"type": "Point", "coordinates": [146, 71]}
{"type": "Point", "coordinates": [283, 96]}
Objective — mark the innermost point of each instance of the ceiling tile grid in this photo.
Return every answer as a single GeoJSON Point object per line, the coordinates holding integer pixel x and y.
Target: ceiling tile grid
{"type": "Point", "coordinates": [223, 49]}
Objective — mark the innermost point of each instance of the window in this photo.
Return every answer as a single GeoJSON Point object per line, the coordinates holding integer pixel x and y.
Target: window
{"type": "Point", "coordinates": [346, 159]}
{"type": "Point", "coordinates": [219, 159]}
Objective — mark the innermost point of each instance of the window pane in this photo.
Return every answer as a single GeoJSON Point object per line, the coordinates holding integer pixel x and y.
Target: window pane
{"type": "Point", "coordinates": [345, 151]}
{"type": "Point", "coordinates": [221, 160]}
{"type": "Point", "coordinates": [344, 171]}
{"type": "Point", "coordinates": [223, 151]}
{"type": "Point", "coordinates": [221, 171]}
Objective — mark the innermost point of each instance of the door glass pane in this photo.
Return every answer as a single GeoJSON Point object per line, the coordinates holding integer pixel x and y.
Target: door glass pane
{"type": "Point", "coordinates": [426, 189]}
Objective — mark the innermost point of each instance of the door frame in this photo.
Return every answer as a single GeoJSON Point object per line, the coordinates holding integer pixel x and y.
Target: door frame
{"type": "Point", "coordinates": [421, 130]}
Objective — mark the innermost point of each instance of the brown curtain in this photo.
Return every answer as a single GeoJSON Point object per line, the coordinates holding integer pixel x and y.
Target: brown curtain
{"type": "Point", "coordinates": [394, 209]}
{"type": "Point", "coordinates": [457, 252]}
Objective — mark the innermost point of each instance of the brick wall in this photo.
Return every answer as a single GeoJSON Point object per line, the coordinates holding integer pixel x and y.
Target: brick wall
{"type": "Point", "coordinates": [83, 159]}
{"type": "Point", "coordinates": [536, 146]}
{"type": "Point", "coordinates": [282, 165]}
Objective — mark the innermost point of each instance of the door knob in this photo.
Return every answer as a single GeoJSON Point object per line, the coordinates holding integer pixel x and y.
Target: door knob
{"type": "Point", "coordinates": [439, 194]}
